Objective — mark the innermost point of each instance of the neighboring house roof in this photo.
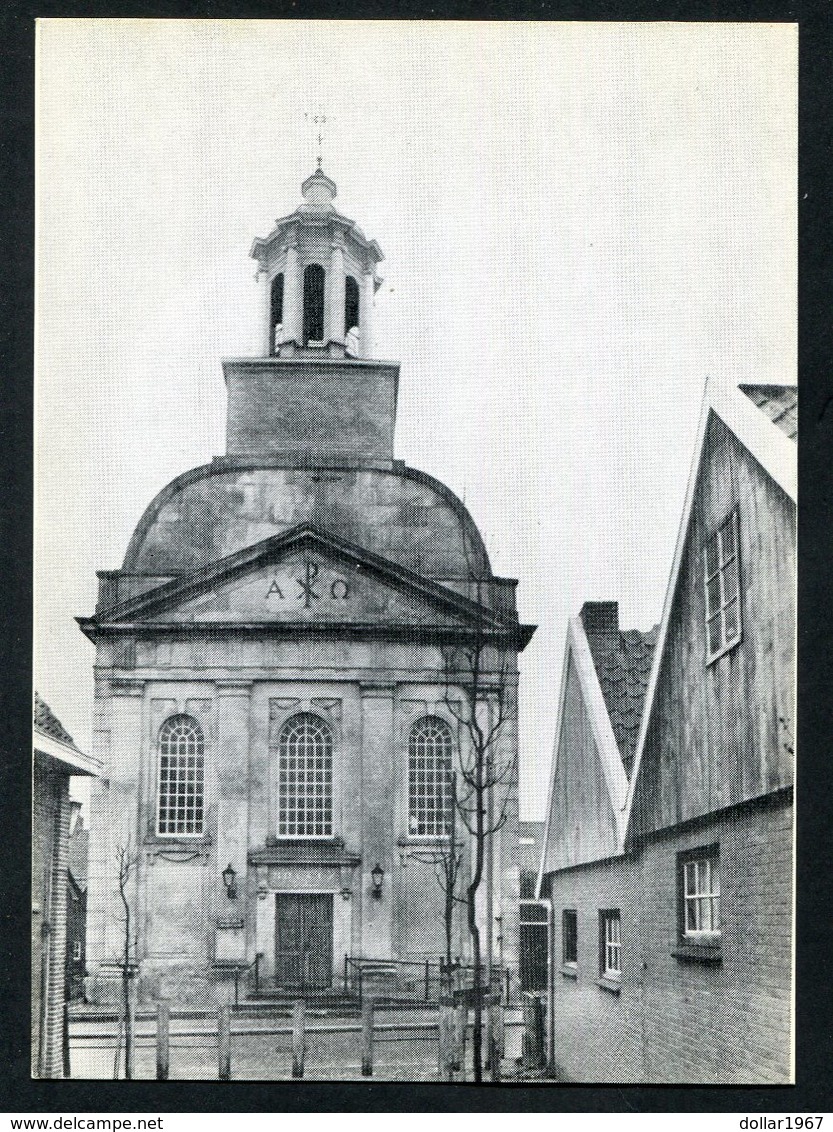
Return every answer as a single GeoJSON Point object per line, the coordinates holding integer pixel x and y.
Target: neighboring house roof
{"type": "Point", "coordinates": [612, 667]}
{"type": "Point", "coordinates": [758, 416]}
{"type": "Point", "coordinates": [779, 402]}
{"type": "Point", "coordinates": [52, 739]}
{"type": "Point", "coordinates": [623, 664]}
{"type": "Point", "coordinates": [48, 723]}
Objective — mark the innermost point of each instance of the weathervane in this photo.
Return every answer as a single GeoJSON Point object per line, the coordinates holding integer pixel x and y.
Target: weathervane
{"type": "Point", "coordinates": [320, 121]}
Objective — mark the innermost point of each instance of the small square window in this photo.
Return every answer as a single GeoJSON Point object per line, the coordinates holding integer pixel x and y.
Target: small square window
{"type": "Point", "coordinates": [722, 586]}
{"type": "Point", "coordinates": [569, 937]}
{"type": "Point", "coordinates": [699, 896]}
{"type": "Point", "coordinates": [610, 944]}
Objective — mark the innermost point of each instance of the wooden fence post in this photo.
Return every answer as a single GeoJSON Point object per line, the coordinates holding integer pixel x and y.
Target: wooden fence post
{"type": "Point", "coordinates": [445, 1033]}
{"type": "Point", "coordinates": [67, 1071]}
{"type": "Point", "coordinates": [367, 1037]}
{"type": "Point", "coordinates": [224, 1041]}
{"type": "Point", "coordinates": [461, 1022]}
{"type": "Point", "coordinates": [551, 988]}
{"type": "Point", "coordinates": [130, 1031]}
{"type": "Point", "coordinates": [163, 1020]}
{"type": "Point", "coordinates": [496, 1039]}
{"type": "Point", "coordinates": [298, 1019]}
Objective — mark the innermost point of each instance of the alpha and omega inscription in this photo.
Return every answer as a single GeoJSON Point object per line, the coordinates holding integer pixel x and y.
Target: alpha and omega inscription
{"type": "Point", "coordinates": [311, 588]}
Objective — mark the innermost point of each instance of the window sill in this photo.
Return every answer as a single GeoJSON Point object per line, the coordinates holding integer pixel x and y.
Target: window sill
{"type": "Point", "coordinates": [612, 986]}
{"type": "Point", "coordinates": [698, 953]}
{"type": "Point", "coordinates": [569, 971]}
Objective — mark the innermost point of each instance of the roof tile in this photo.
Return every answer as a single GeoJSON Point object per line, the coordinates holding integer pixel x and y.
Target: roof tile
{"type": "Point", "coordinates": [779, 402]}
{"type": "Point", "coordinates": [623, 664]}
{"type": "Point", "coordinates": [49, 723]}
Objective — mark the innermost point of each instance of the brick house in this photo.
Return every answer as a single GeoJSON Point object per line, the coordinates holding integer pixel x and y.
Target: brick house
{"type": "Point", "coordinates": [56, 760]}
{"type": "Point", "coordinates": [668, 859]}
{"type": "Point", "coordinates": [277, 696]}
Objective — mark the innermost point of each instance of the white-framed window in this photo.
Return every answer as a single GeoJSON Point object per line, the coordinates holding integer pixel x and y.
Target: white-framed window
{"type": "Point", "coordinates": [722, 580]}
{"type": "Point", "coordinates": [305, 777]}
{"type": "Point", "coordinates": [699, 886]}
{"type": "Point", "coordinates": [429, 778]}
{"type": "Point", "coordinates": [569, 937]}
{"type": "Point", "coordinates": [610, 944]}
{"type": "Point", "coordinates": [181, 795]}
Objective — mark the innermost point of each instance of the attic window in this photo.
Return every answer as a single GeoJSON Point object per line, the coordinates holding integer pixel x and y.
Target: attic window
{"type": "Point", "coordinates": [722, 580]}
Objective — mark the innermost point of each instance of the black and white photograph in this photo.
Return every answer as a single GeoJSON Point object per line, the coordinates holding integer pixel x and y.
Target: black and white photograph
{"type": "Point", "coordinates": [415, 552]}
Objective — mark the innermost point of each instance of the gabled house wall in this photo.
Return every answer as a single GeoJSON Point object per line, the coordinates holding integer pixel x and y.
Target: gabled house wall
{"type": "Point", "coordinates": [719, 732]}
{"type": "Point", "coordinates": [712, 777]}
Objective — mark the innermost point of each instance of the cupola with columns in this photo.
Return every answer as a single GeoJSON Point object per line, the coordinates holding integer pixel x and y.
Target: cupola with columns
{"type": "Point", "coordinates": [317, 274]}
{"type": "Point", "coordinates": [313, 396]}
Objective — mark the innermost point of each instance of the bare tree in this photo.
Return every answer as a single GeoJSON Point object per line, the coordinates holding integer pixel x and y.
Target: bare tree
{"type": "Point", "coordinates": [447, 861]}
{"type": "Point", "coordinates": [127, 861]}
{"type": "Point", "coordinates": [481, 694]}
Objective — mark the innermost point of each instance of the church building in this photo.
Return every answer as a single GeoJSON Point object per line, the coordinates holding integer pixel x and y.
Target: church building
{"type": "Point", "coordinates": [285, 664]}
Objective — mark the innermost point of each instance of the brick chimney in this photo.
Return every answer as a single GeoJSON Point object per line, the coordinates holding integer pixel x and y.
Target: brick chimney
{"type": "Point", "coordinates": [600, 618]}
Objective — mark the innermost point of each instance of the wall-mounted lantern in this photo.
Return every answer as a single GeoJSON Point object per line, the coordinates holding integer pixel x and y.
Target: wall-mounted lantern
{"type": "Point", "coordinates": [346, 894]}
{"type": "Point", "coordinates": [229, 877]}
{"type": "Point", "coordinates": [377, 875]}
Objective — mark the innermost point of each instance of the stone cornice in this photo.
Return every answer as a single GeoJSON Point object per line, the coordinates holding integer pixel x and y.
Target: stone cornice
{"type": "Point", "coordinates": [516, 636]}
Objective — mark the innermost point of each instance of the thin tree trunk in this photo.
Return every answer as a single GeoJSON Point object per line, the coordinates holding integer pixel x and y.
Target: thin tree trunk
{"type": "Point", "coordinates": [474, 931]}
{"type": "Point", "coordinates": [450, 879]}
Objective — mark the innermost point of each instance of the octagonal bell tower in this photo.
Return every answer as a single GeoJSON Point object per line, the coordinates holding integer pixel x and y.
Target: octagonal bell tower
{"type": "Point", "coordinates": [314, 395]}
{"type": "Point", "coordinates": [317, 275]}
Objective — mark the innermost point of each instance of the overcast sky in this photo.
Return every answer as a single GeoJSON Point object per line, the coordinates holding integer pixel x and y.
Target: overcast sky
{"type": "Point", "coordinates": [581, 223]}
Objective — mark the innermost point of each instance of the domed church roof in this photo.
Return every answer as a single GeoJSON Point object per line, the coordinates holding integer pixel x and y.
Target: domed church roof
{"type": "Point", "coordinates": [215, 510]}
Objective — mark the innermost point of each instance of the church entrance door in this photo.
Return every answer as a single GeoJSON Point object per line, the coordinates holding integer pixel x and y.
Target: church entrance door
{"type": "Point", "coordinates": [303, 939]}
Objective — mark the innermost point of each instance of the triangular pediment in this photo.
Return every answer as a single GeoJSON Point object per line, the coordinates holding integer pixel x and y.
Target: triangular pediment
{"type": "Point", "coordinates": [304, 576]}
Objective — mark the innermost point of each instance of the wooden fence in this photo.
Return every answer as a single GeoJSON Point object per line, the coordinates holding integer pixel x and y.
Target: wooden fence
{"type": "Point", "coordinates": [447, 1029]}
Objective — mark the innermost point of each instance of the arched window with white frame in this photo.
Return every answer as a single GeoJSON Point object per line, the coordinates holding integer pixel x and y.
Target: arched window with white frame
{"type": "Point", "coordinates": [181, 794]}
{"type": "Point", "coordinates": [305, 777]}
{"type": "Point", "coordinates": [430, 748]}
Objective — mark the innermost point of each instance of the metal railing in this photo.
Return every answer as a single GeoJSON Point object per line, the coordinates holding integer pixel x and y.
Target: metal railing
{"type": "Point", "coordinates": [426, 981]}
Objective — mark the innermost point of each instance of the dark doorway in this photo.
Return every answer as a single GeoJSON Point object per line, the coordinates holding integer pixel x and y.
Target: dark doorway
{"type": "Point", "coordinates": [533, 957]}
{"type": "Point", "coordinates": [314, 304]}
{"type": "Point", "coordinates": [303, 939]}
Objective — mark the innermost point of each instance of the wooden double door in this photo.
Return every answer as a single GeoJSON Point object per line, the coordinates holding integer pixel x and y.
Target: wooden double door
{"type": "Point", "coordinates": [303, 939]}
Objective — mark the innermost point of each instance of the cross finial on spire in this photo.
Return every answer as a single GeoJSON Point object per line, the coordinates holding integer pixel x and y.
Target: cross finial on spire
{"type": "Point", "coordinates": [319, 120]}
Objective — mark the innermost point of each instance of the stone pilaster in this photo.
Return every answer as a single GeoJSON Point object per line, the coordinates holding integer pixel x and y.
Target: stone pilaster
{"type": "Point", "coordinates": [378, 841]}
{"type": "Point", "coordinates": [335, 322]}
{"type": "Point", "coordinates": [265, 345]}
{"type": "Point", "coordinates": [231, 777]}
{"type": "Point", "coordinates": [366, 316]}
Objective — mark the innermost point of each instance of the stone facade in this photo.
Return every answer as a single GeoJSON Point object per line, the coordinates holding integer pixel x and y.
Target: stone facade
{"type": "Point", "coordinates": [305, 584]}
